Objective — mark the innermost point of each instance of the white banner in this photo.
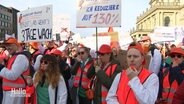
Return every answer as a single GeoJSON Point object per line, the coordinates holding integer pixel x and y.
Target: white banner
{"type": "Point", "coordinates": [163, 34]}
{"type": "Point", "coordinates": [35, 24]}
{"type": "Point", "coordinates": [98, 13]}
{"type": "Point", "coordinates": [179, 34]}
{"type": "Point", "coordinates": [61, 23]}
{"type": "Point", "coordinates": [91, 41]}
{"type": "Point", "coordinates": [61, 26]}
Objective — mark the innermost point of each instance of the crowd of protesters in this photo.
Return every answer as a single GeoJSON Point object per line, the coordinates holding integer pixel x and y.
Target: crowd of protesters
{"type": "Point", "coordinates": [50, 73]}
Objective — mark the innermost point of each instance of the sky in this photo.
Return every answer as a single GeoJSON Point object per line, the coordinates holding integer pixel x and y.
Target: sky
{"type": "Point", "coordinates": [130, 10]}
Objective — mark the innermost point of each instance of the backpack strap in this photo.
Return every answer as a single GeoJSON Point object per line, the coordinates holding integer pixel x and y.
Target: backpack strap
{"type": "Point", "coordinates": [24, 79]}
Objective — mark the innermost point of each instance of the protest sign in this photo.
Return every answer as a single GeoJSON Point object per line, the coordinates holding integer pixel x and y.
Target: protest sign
{"type": "Point", "coordinates": [98, 13]}
{"type": "Point", "coordinates": [61, 26]}
{"type": "Point", "coordinates": [163, 34]}
{"type": "Point", "coordinates": [35, 24]}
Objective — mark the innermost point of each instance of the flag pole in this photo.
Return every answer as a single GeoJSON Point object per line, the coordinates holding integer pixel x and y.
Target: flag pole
{"type": "Point", "coordinates": [96, 42]}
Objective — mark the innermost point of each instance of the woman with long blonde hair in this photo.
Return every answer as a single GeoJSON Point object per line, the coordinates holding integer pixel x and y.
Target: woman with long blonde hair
{"type": "Point", "coordinates": [49, 83]}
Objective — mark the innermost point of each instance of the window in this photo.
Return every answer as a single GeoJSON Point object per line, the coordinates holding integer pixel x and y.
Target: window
{"type": "Point", "coordinates": [2, 23]}
{"type": "Point", "coordinates": [6, 24]}
{"type": "Point", "coordinates": [2, 16]}
{"type": "Point", "coordinates": [9, 25]}
{"type": "Point", "coordinates": [167, 21]}
{"type": "Point", "coordinates": [6, 31]}
{"type": "Point", "coordinates": [9, 18]}
{"type": "Point", "coordinates": [139, 35]}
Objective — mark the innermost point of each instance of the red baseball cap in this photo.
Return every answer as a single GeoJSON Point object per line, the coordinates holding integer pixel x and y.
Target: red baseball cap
{"type": "Point", "coordinates": [177, 50]}
{"type": "Point", "coordinates": [56, 52]}
{"type": "Point", "coordinates": [105, 49]}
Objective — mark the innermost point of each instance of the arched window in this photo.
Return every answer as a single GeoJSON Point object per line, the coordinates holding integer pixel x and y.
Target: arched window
{"type": "Point", "coordinates": [167, 21]}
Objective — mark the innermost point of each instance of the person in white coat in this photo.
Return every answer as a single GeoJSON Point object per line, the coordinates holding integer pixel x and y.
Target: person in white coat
{"type": "Point", "coordinates": [135, 85]}
{"type": "Point", "coordinates": [16, 68]}
{"type": "Point", "coordinates": [49, 83]}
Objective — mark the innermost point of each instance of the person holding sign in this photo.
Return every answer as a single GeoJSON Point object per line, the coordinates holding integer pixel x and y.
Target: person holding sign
{"type": "Point", "coordinates": [135, 85]}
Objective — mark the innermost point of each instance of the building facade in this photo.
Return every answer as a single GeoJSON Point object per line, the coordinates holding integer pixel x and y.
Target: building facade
{"type": "Point", "coordinates": [160, 13]}
{"type": "Point", "coordinates": [8, 21]}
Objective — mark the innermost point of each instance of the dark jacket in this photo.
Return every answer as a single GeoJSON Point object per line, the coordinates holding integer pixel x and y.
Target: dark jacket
{"type": "Point", "coordinates": [90, 74]}
{"type": "Point", "coordinates": [175, 73]}
{"type": "Point", "coordinates": [179, 95]}
{"type": "Point", "coordinates": [102, 78]}
{"type": "Point", "coordinates": [91, 70]}
{"type": "Point", "coordinates": [65, 71]}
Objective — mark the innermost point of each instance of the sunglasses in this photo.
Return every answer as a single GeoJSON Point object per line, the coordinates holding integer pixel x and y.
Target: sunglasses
{"type": "Point", "coordinates": [44, 61]}
{"type": "Point", "coordinates": [175, 55]}
{"type": "Point", "coordinates": [81, 53]}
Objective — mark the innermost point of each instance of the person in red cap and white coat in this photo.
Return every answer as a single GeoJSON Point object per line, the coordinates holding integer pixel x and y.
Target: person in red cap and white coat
{"type": "Point", "coordinates": [135, 85]}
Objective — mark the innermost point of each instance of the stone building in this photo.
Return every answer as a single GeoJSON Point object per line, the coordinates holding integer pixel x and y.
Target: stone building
{"type": "Point", "coordinates": [8, 21]}
{"type": "Point", "coordinates": [160, 13]}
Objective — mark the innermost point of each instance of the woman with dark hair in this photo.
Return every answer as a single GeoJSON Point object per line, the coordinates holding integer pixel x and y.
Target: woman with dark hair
{"type": "Point", "coordinates": [49, 83]}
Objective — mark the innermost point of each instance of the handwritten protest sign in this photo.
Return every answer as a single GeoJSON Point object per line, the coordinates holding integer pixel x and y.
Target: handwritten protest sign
{"type": "Point", "coordinates": [35, 24]}
{"type": "Point", "coordinates": [98, 13]}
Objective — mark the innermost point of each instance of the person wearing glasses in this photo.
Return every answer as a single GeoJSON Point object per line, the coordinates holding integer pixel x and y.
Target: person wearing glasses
{"type": "Point", "coordinates": [83, 70]}
{"type": "Point", "coordinates": [136, 84]}
{"type": "Point", "coordinates": [106, 68]}
{"type": "Point", "coordinates": [172, 76]}
{"type": "Point", "coordinates": [49, 83]}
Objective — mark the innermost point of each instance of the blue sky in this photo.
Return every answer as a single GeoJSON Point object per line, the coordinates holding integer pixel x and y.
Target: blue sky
{"type": "Point", "coordinates": [130, 10]}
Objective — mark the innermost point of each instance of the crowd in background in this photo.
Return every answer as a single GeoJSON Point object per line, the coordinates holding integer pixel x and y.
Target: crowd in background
{"type": "Point", "coordinates": [67, 73]}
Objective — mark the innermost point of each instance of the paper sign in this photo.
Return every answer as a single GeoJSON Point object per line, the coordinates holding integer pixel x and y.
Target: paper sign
{"type": "Point", "coordinates": [98, 13]}
{"type": "Point", "coordinates": [35, 24]}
